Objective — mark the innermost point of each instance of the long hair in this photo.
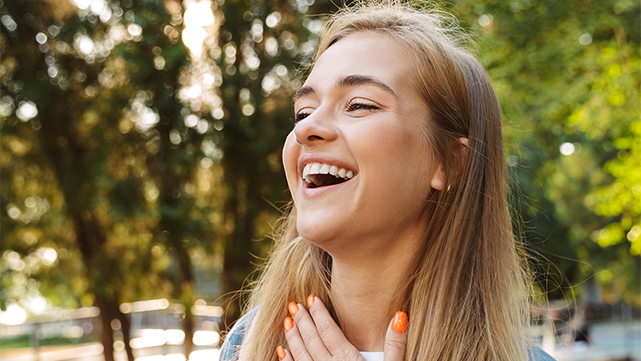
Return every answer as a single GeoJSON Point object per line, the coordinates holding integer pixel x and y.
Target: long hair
{"type": "Point", "coordinates": [466, 295]}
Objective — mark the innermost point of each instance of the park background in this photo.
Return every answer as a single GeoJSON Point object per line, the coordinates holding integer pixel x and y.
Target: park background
{"type": "Point", "coordinates": [141, 141]}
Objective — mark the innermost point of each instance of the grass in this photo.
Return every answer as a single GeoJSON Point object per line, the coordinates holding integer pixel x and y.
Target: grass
{"type": "Point", "coordinates": [24, 341]}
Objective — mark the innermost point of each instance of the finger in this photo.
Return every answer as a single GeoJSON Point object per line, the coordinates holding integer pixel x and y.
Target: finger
{"type": "Point", "coordinates": [309, 334]}
{"type": "Point", "coordinates": [283, 355]}
{"type": "Point", "coordinates": [396, 338]}
{"type": "Point", "coordinates": [331, 335]}
{"type": "Point", "coordinates": [296, 345]}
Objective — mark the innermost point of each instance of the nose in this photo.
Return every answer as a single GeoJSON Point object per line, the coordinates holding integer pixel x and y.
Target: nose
{"type": "Point", "coordinates": [315, 129]}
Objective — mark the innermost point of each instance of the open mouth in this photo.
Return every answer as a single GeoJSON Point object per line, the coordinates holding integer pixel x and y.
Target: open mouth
{"type": "Point", "coordinates": [320, 175]}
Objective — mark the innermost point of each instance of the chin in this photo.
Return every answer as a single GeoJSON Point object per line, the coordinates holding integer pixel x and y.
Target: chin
{"type": "Point", "coordinates": [312, 232]}
{"type": "Point", "coordinates": [317, 232]}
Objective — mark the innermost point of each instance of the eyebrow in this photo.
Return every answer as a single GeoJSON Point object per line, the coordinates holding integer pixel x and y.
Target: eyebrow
{"type": "Point", "coordinates": [303, 91]}
{"type": "Point", "coordinates": [347, 81]}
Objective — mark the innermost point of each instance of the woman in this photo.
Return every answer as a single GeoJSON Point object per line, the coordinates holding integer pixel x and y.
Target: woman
{"type": "Point", "coordinates": [396, 170]}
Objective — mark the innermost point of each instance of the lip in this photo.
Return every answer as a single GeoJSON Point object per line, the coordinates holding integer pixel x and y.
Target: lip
{"type": "Point", "coordinates": [326, 159]}
{"type": "Point", "coordinates": [313, 192]}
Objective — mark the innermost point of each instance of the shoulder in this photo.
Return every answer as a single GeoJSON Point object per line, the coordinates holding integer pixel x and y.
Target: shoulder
{"type": "Point", "coordinates": [540, 355]}
{"type": "Point", "coordinates": [231, 347]}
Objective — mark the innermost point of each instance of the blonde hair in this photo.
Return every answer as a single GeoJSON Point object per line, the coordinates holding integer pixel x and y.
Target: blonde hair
{"type": "Point", "coordinates": [466, 294]}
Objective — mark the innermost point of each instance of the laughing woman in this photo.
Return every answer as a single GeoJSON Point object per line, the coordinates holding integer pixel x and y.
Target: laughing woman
{"type": "Point", "coordinates": [399, 243]}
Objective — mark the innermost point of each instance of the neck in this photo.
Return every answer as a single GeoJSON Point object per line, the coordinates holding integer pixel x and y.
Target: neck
{"type": "Point", "coordinates": [368, 287]}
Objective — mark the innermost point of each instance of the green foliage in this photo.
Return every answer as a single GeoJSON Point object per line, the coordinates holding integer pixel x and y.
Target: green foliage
{"type": "Point", "coordinates": [110, 162]}
{"type": "Point", "coordinates": [567, 74]}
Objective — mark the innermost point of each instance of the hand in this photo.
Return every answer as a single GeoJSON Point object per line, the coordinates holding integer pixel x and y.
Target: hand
{"type": "Point", "coordinates": [317, 337]}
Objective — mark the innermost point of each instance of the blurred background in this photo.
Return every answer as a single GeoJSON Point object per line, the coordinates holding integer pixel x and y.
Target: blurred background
{"type": "Point", "coordinates": [141, 173]}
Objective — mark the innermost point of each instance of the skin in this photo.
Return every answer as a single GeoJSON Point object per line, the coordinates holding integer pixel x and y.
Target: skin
{"type": "Point", "coordinates": [315, 336]}
{"type": "Point", "coordinates": [359, 111]}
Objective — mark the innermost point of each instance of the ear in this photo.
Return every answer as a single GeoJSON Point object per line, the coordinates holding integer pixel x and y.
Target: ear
{"type": "Point", "coordinates": [438, 180]}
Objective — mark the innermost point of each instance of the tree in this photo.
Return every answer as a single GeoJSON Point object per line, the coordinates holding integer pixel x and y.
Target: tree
{"type": "Point", "coordinates": [259, 47]}
{"type": "Point", "coordinates": [72, 115]}
{"type": "Point", "coordinates": [132, 174]}
{"type": "Point", "coordinates": [567, 76]}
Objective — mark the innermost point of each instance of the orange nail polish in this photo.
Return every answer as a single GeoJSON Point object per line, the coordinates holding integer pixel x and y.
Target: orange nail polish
{"type": "Point", "coordinates": [281, 352]}
{"type": "Point", "coordinates": [288, 323]}
{"type": "Point", "coordinates": [400, 322]}
{"type": "Point", "coordinates": [310, 300]}
{"type": "Point", "coordinates": [293, 308]}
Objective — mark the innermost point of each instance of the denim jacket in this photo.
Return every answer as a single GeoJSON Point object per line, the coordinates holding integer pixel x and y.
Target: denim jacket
{"type": "Point", "coordinates": [235, 337]}
{"type": "Point", "coordinates": [234, 340]}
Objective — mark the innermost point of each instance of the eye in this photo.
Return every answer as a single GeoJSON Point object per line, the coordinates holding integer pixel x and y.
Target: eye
{"type": "Point", "coordinates": [355, 105]}
{"type": "Point", "coordinates": [300, 116]}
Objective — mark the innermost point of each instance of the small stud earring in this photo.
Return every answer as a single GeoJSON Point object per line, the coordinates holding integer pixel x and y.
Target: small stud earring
{"type": "Point", "coordinates": [449, 186]}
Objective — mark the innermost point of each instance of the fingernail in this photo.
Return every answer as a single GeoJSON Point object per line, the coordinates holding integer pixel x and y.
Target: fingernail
{"type": "Point", "coordinates": [288, 324]}
{"type": "Point", "coordinates": [400, 322]}
{"type": "Point", "coordinates": [281, 352]}
{"type": "Point", "coordinates": [310, 300]}
{"type": "Point", "coordinates": [293, 308]}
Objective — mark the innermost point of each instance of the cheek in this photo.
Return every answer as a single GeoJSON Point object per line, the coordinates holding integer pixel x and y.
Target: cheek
{"type": "Point", "coordinates": [291, 151]}
{"type": "Point", "coordinates": [397, 144]}
{"type": "Point", "coordinates": [401, 156]}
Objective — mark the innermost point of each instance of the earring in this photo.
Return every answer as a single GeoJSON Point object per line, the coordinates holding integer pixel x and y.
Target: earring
{"type": "Point", "coordinates": [449, 186]}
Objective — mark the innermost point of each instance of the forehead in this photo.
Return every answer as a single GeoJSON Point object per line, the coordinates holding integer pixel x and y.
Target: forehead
{"type": "Point", "coordinates": [365, 53]}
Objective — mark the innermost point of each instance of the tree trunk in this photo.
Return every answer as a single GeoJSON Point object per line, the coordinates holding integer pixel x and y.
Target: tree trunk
{"type": "Point", "coordinates": [76, 185]}
{"type": "Point", "coordinates": [106, 335]}
{"type": "Point", "coordinates": [187, 292]}
{"type": "Point", "coordinates": [126, 332]}
{"type": "Point", "coordinates": [172, 225]}
{"type": "Point", "coordinates": [110, 311]}
{"type": "Point", "coordinates": [240, 210]}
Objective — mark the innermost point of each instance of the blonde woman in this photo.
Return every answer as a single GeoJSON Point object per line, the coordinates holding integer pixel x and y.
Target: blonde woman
{"type": "Point", "coordinates": [398, 245]}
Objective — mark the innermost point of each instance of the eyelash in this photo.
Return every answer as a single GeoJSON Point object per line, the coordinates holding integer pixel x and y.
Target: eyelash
{"type": "Point", "coordinates": [300, 116]}
{"type": "Point", "coordinates": [361, 106]}
{"type": "Point", "coordinates": [351, 106]}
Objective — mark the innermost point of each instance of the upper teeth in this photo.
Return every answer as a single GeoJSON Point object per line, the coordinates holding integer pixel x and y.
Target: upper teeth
{"type": "Point", "coordinates": [321, 168]}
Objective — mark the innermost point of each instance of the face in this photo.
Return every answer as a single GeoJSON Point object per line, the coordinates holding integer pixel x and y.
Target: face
{"type": "Point", "coordinates": [358, 164]}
